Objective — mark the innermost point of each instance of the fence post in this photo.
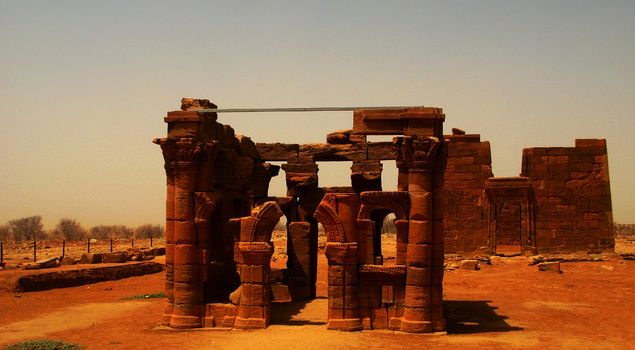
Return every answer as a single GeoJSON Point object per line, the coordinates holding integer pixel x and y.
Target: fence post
{"type": "Point", "coordinates": [63, 247]}
{"type": "Point", "coordinates": [34, 250]}
{"type": "Point", "coordinates": [111, 245]}
{"type": "Point", "coordinates": [150, 241]}
{"type": "Point", "coordinates": [1, 252]}
{"type": "Point", "coordinates": [88, 243]}
{"type": "Point", "coordinates": [132, 240]}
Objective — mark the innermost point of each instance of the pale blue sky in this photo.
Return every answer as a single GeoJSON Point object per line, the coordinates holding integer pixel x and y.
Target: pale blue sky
{"type": "Point", "coordinates": [84, 85]}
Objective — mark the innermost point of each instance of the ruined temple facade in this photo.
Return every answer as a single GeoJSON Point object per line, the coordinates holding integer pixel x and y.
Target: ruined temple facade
{"type": "Point", "coordinates": [560, 203]}
{"type": "Point", "coordinates": [220, 217]}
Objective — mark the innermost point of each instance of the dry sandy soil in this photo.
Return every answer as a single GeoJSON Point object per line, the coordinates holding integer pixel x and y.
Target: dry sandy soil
{"type": "Point", "coordinates": [505, 305]}
{"type": "Point", "coordinates": [22, 252]}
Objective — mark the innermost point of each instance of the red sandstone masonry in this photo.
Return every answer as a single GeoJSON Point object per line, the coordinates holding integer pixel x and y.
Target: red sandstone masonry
{"type": "Point", "coordinates": [468, 166]}
{"type": "Point", "coordinates": [572, 194]}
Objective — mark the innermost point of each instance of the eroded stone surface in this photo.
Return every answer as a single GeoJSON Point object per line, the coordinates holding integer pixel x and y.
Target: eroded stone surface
{"type": "Point", "coordinates": [219, 217]}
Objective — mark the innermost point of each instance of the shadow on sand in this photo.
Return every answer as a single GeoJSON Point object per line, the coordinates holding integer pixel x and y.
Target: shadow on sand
{"type": "Point", "coordinates": [300, 313]}
{"type": "Point", "coordinates": [474, 316]}
{"type": "Point", "coordinates": [463, 316]}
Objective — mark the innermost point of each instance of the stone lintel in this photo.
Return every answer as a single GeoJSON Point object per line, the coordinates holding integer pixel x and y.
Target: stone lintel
{"type": "Point", "coordinates": [187, 116]}
{"type": "Point", "coordinates": [405, 121]}
{"type": "Point", "coordinates": [328, 152]}
{"type": "Point", "coordinates": [508, 187]}
{"type": "Point", "coordinates": [508, 182]}
{"type": "Point", "coordinates": [322, 152]}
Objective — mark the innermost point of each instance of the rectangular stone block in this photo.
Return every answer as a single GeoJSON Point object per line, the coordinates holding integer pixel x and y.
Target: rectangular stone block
{"type": "Point", "coordinates": [277, 151]}
{"type": "Point", "coordinates": [188, 293]}
{"type": "Point", "coordinates": [187, 273]}
{"type": "Point", "coordinates": [418, 276]}
{"type": "Point", "coordinates": [183, 206]}
{"type": "Point", "coordinates": [379, 318]}
{"type": "Point", "coordinates": [280, 293]}
{"type": "Point", "coordinates": [417, 296]}
{"type": "Point", "coordinates": [184, 232]}
{"type": "Point", "coordinates": [254, 273]}
{"type": "Point", "coordinates": [420, 231]}
{"type": "Point", "coordinates": [343, 297]}
{"type": "Point", "coordinates": [185, 254]}
{"type": "Point", "coordinates": [421, 206]}
{"type": "Point", "coordinates": [250, 311]}
{"type": "Point", "coordinates": [419, 255]}
{"type": "Point", "coordinates": [343, 275]}
{"type": "Point", "coordinates": [326, 152]}
{"type": "Point", "coordinates": [255, 294]}
{"type": "Point", "coordinates": [114, 258]}
{"type": "Point", "coordinates": [584, 143]}
{"type": "Point", "coordinates": [380, 151]}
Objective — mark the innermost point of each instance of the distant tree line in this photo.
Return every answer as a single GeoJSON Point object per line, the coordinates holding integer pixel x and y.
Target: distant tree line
{"type": "Point", "coordinates": [30, 228]}
{"type": "Point", "coordinates": [624, 229]}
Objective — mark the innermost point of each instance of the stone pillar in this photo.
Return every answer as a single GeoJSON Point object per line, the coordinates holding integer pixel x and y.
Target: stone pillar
{"type": "Point", "coordinates": [343, 290]}
{"type": "Point", "coordinates": [299, 260]}
{"type": "Point", "coordinates": [255, 300]}
{"type": "Point", "coordinates": [419, 155]}
{"type": "Point", "coordinates": [184, 286]}
{"type": "Point", "coordinates": [338, 214]}
{"type": "Point", "coordinates": [253, 257]}
{"type": "Point", "coordinates": [302, 184]}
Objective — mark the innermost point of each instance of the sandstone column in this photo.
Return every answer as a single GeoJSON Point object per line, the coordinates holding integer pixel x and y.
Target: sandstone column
{"type": "Point", "coordinates": [419, 154]}
{"type": "Point", "coordinates": [338, 214]}
{"type": "Point", "coordinates": [188, 154]}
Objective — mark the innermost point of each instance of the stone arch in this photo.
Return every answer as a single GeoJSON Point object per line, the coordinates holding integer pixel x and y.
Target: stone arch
{"type": "Point", "coordinates": [326, 214]}
{"type": "Point", "coordinates": [258, 226]}
{"type": "Point", "coordinates": [395, 202]}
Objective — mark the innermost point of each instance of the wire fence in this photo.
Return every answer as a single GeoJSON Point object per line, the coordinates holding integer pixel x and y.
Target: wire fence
{"type": "Point", "coordinates": [34, 249]}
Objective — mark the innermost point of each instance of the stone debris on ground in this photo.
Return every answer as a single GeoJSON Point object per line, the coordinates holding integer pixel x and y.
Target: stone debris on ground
{"type": "Point", "coordinates": [42, 264]}
{"type": "Point", "coordinates": [552, 266]}
{"type": "Point", "coordinates": [470, 264]}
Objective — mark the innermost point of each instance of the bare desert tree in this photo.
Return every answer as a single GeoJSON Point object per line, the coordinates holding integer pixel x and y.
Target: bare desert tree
{"type": "Point", "coordinates": [5, 233]}
{"type": "Point", "coordinates": [27, 228]}
{"type": "Point", "coordinates": [70, 230]}
{"type": "Point", "coordinates": [110, 231]}
{"type": "Point", "coordinates": [149, 230]}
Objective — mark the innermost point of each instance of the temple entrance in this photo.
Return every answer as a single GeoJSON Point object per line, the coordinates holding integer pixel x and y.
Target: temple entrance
{"type": "Point", "coordinates": [508, 228]}
{"type": "Point", "coordinates": [510, 223]}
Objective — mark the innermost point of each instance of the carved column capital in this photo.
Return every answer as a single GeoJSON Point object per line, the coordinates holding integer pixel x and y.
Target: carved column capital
{"type": "Point", "coordinates": [183, 152]}
{"type": "Point", "coordinates": [416, 152]}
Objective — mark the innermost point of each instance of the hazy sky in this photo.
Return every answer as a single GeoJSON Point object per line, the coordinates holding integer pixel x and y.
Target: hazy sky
{"type": "Point", "coordinates": [84, 85]}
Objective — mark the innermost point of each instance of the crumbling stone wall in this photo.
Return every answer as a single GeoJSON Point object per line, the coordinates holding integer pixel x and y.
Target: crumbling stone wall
{"type": "Point", "coordinates": [572, 197]}
{"type": "Point", "coordinates": [564, 191]}
{"type": "Point", "coordinates": [469, 165]}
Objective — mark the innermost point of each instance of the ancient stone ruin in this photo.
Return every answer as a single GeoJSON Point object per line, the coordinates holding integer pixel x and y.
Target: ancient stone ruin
{"type": "Point", "coordinates": [560, 203]}
{"type": "Point", "coordinates": [220, 217]}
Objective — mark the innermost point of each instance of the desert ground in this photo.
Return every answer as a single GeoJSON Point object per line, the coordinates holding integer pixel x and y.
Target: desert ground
{"type": "Point", "coordinates": [505, 305]}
